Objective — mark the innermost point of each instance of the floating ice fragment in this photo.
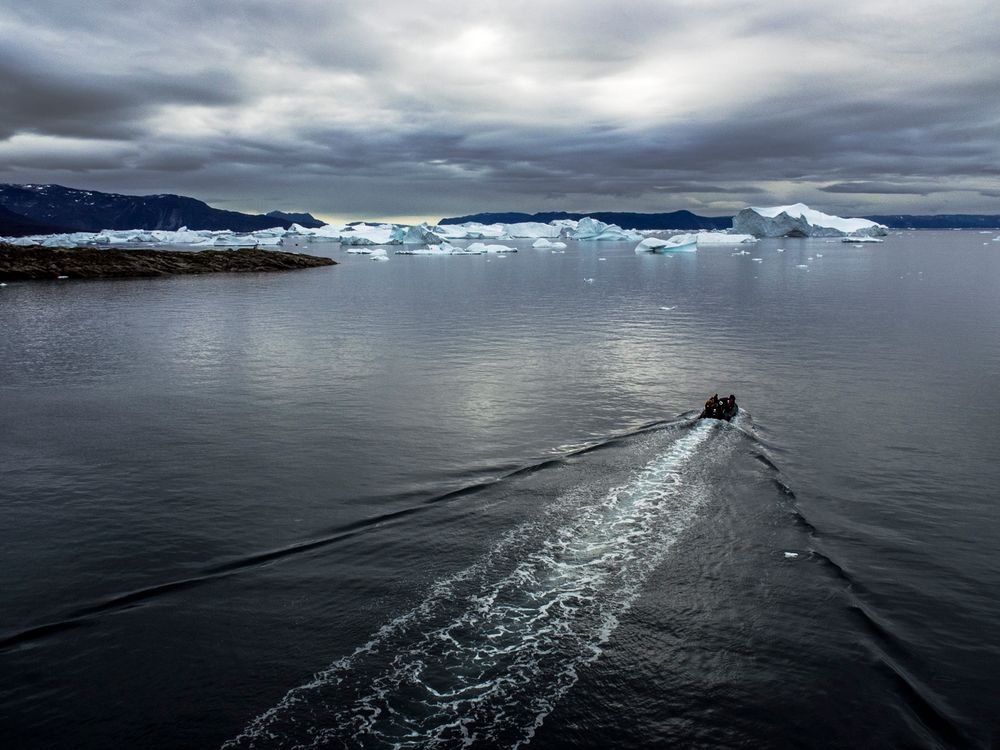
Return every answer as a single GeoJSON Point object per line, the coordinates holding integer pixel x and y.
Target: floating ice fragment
{"type": "Point", "coordinates": [819, 255]}
{"type": "Point", "coordinates": [802, 265]}
{"type": "Point", "coordinates": [781, 249]}
{"type": "Point", "coordinates": [588, 281]}
{"type": "Point", "coordinates": [479, 247]}
{"type": "Point", "coordinates": [757, 260]}
{"type": "Point", "coordinates": [791, 555]}
{"type": "Point", "coordinates": [62, 277]}
{"type": "Point", "coordinates": [741, 252]}
{"type": "Point", "coordinates": [545, 244]}
{"type": "Point", "coordinates": [668, 309]}
{"type": "Point", "coordinates": [685, 243]}
{"type": "Point", "coordinates": [602, 258]}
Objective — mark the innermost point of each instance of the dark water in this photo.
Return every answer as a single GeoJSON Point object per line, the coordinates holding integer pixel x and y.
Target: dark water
{"type": "Point", "coordinates": [455, 501]}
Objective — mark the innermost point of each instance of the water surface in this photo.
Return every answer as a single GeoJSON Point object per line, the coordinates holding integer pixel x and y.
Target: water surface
{"type": "Point", "coordinates": [461, 500]}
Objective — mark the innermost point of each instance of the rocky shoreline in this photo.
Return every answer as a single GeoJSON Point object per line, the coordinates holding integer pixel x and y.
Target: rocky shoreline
{"type": "Point", "coordinates": [36, 262]}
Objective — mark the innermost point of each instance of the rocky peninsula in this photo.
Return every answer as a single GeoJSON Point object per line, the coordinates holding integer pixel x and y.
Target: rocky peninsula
{"type": "Point", "coordinates": [38, 262]}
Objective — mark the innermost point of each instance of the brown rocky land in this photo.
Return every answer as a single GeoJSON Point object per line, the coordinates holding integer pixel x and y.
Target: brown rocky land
{"type": "Point", "coordinates": [37, 262]}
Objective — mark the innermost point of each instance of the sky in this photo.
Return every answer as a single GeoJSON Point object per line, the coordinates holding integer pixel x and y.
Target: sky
{"type": "Point", "coordinates": [407, 110]}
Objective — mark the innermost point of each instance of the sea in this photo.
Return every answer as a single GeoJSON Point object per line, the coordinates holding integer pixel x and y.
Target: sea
{"type": "Point", "coordinates": [465, 501]}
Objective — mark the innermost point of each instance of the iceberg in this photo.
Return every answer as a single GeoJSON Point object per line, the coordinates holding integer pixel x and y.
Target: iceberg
{"type": "Point", "coordinates": [366, 234]}
{"type": "Point", "coordinates": [443, 249]}
{"type": "Point", "coordinates": [545, 244]}
{"type": "Point", "coordinates": [799, 220]}
{"type": "Point", "coordinates": [531, 230]}
{"type": "Point", "coordinates": [419, 234]}
{"type": "Point", "coordinates": [479, 247]}
{"type": "Point", "coordinates": [686, 244]}
{"type": "Point", "coordinates": [471, 231]}
{"type": "Point", "coordinates": [719, 238]}
{"type": "Point", "coordinates": [592, 230]}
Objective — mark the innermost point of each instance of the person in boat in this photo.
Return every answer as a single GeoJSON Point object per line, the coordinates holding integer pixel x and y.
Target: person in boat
{"type": "Point", "coordinates": [729, 408]}
{"type": "Point", "coordinates": [710, 407]}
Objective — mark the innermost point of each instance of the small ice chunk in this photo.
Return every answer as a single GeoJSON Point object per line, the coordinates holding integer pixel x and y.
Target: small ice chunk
{"type": "Point", "coordinates": [479, 247]}
{"type": "Point", "coordinates": [791, 555]}
{"type": "Point", "coordinates": [545, 244]}
{"type": "Point", "coordinates": [668, 309]}
{"type": "Point", "coordinates": [588, 281]}
{"type": "Point", "coordinates": [802, 265]}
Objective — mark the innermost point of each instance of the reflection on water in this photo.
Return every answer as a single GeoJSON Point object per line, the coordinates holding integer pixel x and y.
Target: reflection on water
{"type": "Point", "coordinates": [158, 429]}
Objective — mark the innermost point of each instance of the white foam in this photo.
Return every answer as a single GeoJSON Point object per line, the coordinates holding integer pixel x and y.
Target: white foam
{"type": "Point", "coordinates": [491, 650]}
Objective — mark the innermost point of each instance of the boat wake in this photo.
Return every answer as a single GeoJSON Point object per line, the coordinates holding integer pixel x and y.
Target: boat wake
{"type": "Point", "coordinates": [485, 657]}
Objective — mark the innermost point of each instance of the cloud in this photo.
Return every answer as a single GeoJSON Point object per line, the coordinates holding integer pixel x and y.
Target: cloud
{"type": "Point", "coordinates": [446, 107]}
{"type": "Point", "coordinates": [881, 188]}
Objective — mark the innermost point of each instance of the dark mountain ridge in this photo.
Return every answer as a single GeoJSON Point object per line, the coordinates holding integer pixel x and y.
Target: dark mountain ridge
{"type": "Point", "coordinates": [92, 211]}
{"type": "Point", "coordinates": [938, 221]}
{"type": "Point", "coordinates": [626, 220]}
{"type": "Point", "coordinates": [306, 220]}
{"type": "Point", "coordinates": [688, 220]}
{"type": "Point", "coordinates": [16, 225]}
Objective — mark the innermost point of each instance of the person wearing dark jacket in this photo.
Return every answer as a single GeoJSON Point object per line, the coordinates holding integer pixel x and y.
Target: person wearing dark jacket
{"type": "Point", "coordinates": [729, 408]}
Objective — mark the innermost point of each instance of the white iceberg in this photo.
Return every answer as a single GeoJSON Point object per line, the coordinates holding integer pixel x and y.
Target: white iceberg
{"type": "Point", "coordinates": [479, 247]}
{"type": "Point", "coordinates": [530, 230]}
{"type": "Point", "coordinates": [545, 244]}
{"type": "Point", "coordinates": [419, 234]}
{"type": "Point", "coordinates": [471, 231]}
{"type": "Point", "coordinates": [799, 220]}
{"type": "Point", "coordinates": [591, 230]}
{"type": "Point", "coordinates": [443, 249]}
{"type": "Point", "coordinates": [369, 234]}
{"type": "Point", "coordinates": [720, 238]}
{"type": "Point", "coordinates": [684, 243]}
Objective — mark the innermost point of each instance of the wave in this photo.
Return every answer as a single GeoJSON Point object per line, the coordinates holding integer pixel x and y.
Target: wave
{"type": "Point", "coordinates": [485, 657]}
{"type": "Point", "coordinates": [418, 502]}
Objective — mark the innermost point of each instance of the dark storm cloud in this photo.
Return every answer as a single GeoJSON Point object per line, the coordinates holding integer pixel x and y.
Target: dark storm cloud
{"type": "Point", "coordinates": [880, 188]}
{"type": "Point", "coordinates": [42, 98]}
{"type": "Point", "coordinates": [395, 107]}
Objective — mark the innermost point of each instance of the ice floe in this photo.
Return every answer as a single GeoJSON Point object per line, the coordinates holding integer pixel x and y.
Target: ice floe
{"type": "Point", "coordinates": [545, 244]}
{"type": "Point", "coordinates": [479, 247]}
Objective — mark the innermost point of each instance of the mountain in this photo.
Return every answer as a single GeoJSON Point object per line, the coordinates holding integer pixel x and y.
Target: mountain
{"type": "Point", "coordinates": [303, 220]}
{"type": "Point", "coordinates": [939, 221]}
{"type": "Point", "coordinates": [15, 225]}
{"type": "Point", "coordinates": [671, 220]}
{"type": "Point", "coordinates": [91, 211]}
